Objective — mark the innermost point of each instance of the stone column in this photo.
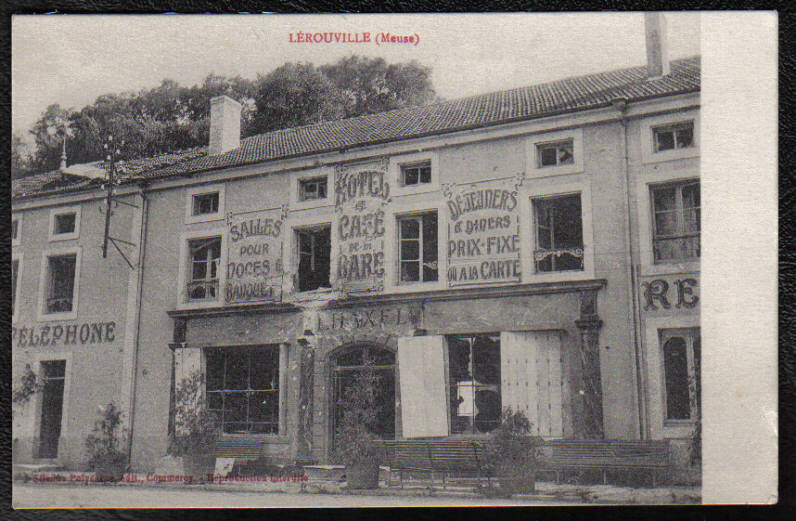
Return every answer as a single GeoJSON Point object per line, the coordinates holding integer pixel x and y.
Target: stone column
{"type": "Point", "coordinates": [590, 425]}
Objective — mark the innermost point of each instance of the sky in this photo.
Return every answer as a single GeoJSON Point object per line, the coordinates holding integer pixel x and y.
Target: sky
{"type": "Point", "coordinates": [71, 59]}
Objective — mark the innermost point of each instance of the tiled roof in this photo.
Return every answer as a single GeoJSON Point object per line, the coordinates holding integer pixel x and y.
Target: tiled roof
{"type": "Point", "coordinates": [567, 95]}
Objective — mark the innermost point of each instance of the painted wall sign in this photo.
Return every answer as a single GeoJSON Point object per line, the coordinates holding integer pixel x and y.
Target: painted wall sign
{"type": "Point", "coordinates": [671, 292]}
{"type": "Point", "coordinates": [72, 334]}
{"type": "Point", "coordinates": [254, 256]}
{"type": "Point", "coordinates": [483, 232]}
{"type": "Point", "coordinates": [361, 194]}
{"type": "Point", "coordinates": [368, 318]}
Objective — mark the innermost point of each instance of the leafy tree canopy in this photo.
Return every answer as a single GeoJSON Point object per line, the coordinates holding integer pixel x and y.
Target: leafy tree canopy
{"type": "Point", "coordinates": [173, 117]}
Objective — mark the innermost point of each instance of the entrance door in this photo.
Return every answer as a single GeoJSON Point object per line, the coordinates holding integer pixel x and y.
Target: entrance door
{"type": "Point", "coordinates": [346, 366]}
{"type": "Point", "coordinates": [52, 404]}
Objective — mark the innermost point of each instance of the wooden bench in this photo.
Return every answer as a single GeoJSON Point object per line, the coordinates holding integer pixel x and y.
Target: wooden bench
{"type": "Point", "coordinates": [604, 455]}
{"type": "Point", "coordinates": [433, 456]}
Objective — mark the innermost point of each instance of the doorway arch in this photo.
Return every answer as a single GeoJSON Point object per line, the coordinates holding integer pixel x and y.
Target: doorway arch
{"type": "Point", "coordinates": [348, 362]}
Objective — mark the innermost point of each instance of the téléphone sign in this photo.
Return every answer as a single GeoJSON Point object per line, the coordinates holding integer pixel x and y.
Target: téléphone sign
{"type": "Point", "coordinates": [483, 232]}
{"type": "Point", "coordinates": [254, 256]}
{"type": "Point", "coordinates": [361, 193]}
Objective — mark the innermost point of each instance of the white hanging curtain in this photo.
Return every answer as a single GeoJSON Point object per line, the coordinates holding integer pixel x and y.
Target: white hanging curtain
{"type": "Point", "coordinates": [424, 404]}
{"type": "Point", "coordinates": [530, 365]}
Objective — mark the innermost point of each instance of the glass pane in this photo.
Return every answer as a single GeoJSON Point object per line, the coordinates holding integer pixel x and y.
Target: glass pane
{"type": "Point", "coordinates": [264, 368]}
{"type": "Point", "coordinates": [567, 228]}
{"type": "Point", "coordinates": [664, 198]}
{"type": "Point", "coordinates": [545, 264]}
{"type": "Point", "coordinates": [565, 156]}
{"type": "Point", "coordinates": [425, 174]}
{"type": "Point", "coordinates": [237, 368]}
{"type": "Point", "coordinates": [411, 176]}
{"type": "Point", "coordinates": [664, 140]}
{"type": "Point", "coordinates": [691, 196]}
{"type": "Point", "coordinates": [430, 237]}
{"type": "Point", "coordinates": [214, 360]}
{"type": "Point", "coordinates": [547, 156]}
{"type": "Point", "coordinates": [234, 407]}
{"type": "Point", "coordinates": [488, 407]}
{"type": "Point", "coordinates": [199, 270]}
{"type": "Point", "coordinates": [215, 402]}
{"type": "Point", "coordinates": [698, 370]}
{"type": "Point", "coordinates": [410, 229]}
{"type": "Point", "coordinates": [486, 359]}
{"type": "Point", "coordinates": [666, 223]}
{"type": "Point", "coordinates": [685, 137]}
{"type": "Point", "coordinates": [568, 262]}
{"type": "Point", "coordinates": [676, 374]}
{"type": "Point", "coordinates": [65, 223]}
{"type": "Point", "coordinates": [410, 250]}
{"type": "Point", "coordinates": [410, 271]}
{"type": "Point", "coordinates": [322, 189]}
{"type": "Point", "coordinates": [263, 406]}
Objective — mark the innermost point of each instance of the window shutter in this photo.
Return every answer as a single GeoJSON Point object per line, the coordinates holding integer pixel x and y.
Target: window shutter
{"type": "Point", "coordinates": [530, 364]}
{"type": "Point", "coordinates": [424, 406]}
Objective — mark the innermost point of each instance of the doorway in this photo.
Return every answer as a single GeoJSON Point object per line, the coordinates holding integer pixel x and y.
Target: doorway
{"type": "Point", "coordinates": [52, 403]}
{"type": "Point", "coordinates": [346, 366]}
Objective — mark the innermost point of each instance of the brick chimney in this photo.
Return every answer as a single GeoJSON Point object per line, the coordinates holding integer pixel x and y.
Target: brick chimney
{"type": "Point", "coordinates": [657, 45]}
{"type": "Point", "coordinates": [224, 124]}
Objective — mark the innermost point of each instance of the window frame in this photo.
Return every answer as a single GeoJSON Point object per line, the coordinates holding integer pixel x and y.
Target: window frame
{"type": "Point", "coordinates": [535, 143]}
{"type": "Point", "coordinates": [556, 145]}
{"type": "Point", "coordinates": [296, 257]}
{"type": "Point", "coordinates": [541, 189]}
{"type": "Point", "coordinates": [448, 384]}
{"type": "Point", "coordinates": [16, 291]}
{"type": "Point", "coordinates": [54, 213]}
{"type": "Point", "coordinates": [399, 240]}
{"type": "Point", "coordinates": [193, 191]}
{"type": "Point", "coordinates": [281, 367]}
{"type": "Point", "coordinates": [535, 202]}
{"type": "Point", "coordinates": [648, 140]}
{"type": "Point", "coordinates": [313, 180]}
{"type": "Point", "coordinates": [417, 165]}
{"type": "Point", "coordinates": [689, 335]}
{"type": "Point", "coordinates": [295, 180]}
{"type": "Point", "coordinates": [44, 285]}
{"type": "Point", "coordinates": [674, 128]}
{"type": "Point", "coordinates": [184, 273]}
{"type": "Point", "coordinates": [679, 212]}
{"type": "Point", "coordinates": [16, 241]}
{"type": "Point", "coordinates": [396, 167]}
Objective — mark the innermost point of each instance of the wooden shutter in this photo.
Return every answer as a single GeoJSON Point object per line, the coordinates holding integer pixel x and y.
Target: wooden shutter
{"type": "Point", "coordinates": [530, 364]}
{"type": "Point", "coordinates": [424, 405]}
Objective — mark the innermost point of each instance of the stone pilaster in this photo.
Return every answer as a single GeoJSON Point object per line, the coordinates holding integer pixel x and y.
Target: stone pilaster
{"type": "Point", "coordinates": [590, 396]}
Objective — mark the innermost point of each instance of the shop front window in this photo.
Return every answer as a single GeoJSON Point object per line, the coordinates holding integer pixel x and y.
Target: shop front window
{"type": "Point", "coordinates": [681, 370]}
{"type": "Point", "coordinates": [475, 388]}
{"type": "Point", "coordinates": [243, 388]}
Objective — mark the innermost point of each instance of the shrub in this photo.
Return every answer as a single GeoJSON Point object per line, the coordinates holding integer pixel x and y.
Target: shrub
{"type": "Point", "coordinates": [511, 454]}
{"type": "Point", "coordinates": [355, 431]}
{"type": "Point", "coordinates": [103, 444]}
{"type": "Point", "coordinates": [195, 427]}
{"type": "Point", "coordinates": [29, 384]}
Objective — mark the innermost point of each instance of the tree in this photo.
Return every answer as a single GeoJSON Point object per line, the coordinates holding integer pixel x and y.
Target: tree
{"type": "Point", "coordinates": [293, 95]}
{"type": "Point", "coordinates": [48, 133]}
{"type": "Point", "coordinates": [369, 85]}
{"type": "Point", "coordinates": [20, 160]}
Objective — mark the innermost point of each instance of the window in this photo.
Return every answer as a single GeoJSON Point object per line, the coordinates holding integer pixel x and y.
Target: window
{"type": "Point", "coordinates": [676, 222]}
{"type": "Point", "coordinates": [61, 283]}
{"type": "Point", "coordinates": [14, 275]}
{"type": "Point", "coordinates": [314, 247]}
{"type": "Point", "coordinates": [14, 231]}
{"type": "Point", "coordinates": [681, 370]}
{"type": "Point", "coordinates": [204, 204]}
{"type": "Point", "coordinates": [312, 189]}
{"type": "Point", "coordinates": [474, 369]}
{"type": "Point", "coordinates": [243, 388]}
{"type": "Point", "coordinates": [64, 223]}
{"type": "Point", "coordinates": [417, 237]}
{"type": "Point", "coordinates": [673, 137]}
{"type": "Point", "coordinates": [559, 234]}
{"type": "Point", "coordinates": [555, 154]}
{"type": "Point", "coordinates": [205, 255]}
{"type": "Point", "coordinates": [416, 173]}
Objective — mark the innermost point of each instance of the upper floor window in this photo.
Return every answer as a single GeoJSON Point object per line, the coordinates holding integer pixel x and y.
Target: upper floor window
{"type": "Point", "coordinates": [475, 384]}
{"type": "Point", "coordinates": [312, 189]}
{"type": "Point", "coordinates": [205, 256]}
{"type": "Point", "coordinates": [314, 262]}
{"type": "Point", "coordinates": [676, 211]}
{"type": "Point", "coordinates": [204, 204]}
{"type": "Point", "coordinates": [243, 388]}
{"type": "Point", "coordinates": [559, 233]}
{"type": "Point", "coordinates": [417, 251]}
{"type": "Point", "coordinates": [681, 371]}
{"type": "Point", "coordinates": [61, 270]}
{"type": "Point", "coordinates": [413, 174]}
{"type": "Point", "coordinates": [555, 154]}
{"type": "Point", "coordinates": [64, 224]}
{"type": "Point", "coordinates": [673, 137]}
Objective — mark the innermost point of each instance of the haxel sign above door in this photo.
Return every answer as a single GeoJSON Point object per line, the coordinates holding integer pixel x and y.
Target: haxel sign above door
{"type": "Point", "coordinates": [70, 334]}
